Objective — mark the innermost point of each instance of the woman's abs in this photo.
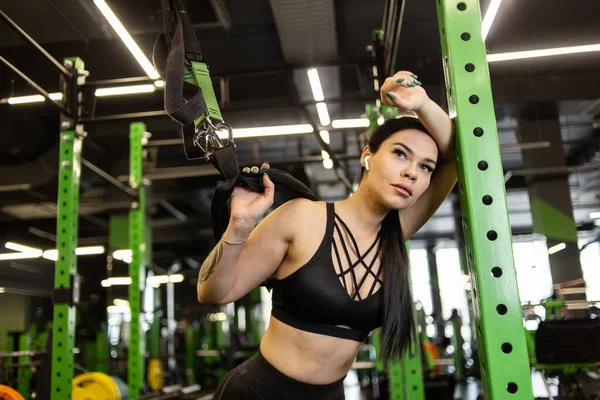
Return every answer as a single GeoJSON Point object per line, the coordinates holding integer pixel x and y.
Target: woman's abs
{"type": "Point", "coordinates": [305, 356]}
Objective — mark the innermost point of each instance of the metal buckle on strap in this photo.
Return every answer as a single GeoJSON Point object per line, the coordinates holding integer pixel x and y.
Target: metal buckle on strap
{"type": "Point", "coordinates": [210, 137]}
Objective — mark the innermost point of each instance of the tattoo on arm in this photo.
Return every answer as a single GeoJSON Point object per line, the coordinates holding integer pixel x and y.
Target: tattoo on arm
{"type": "Point", "coordinates": [208, 266]}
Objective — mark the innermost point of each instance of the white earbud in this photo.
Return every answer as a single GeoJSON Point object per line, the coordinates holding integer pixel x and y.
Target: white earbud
{"type": "Point", "coordinates": [367, 163]}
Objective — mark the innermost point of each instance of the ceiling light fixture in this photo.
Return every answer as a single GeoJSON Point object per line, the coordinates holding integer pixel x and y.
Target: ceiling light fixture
{"type": "Point", "coordinates": [127, 39]}
{"type": "Point", "coordinates": [488, 20]}
{"type": "Point", "coordinates": [22, 248]}
{"type": "Point", "coordinates": [519, 55]}
{"type": "Point", "coordinates": [350, 123]}
{"type": "Point", "coordinates": [325, 136]}
{"type": "Point", "coordinates": [323, 114]}
{"type": "Point", "coordinates": [121, 90]}
{"type": "Point", "coordinates": [118, 281]}
{"type": "Point", "coordinates": [315, 84]}
{"type": "Point", "coordinates": [35, 98]}
{"type": "Point", "coordinates": [269, 131]}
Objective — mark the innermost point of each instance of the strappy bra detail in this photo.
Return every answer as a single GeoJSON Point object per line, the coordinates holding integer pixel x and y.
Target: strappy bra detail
{"type": "Point", "coordinates": [324, 295]}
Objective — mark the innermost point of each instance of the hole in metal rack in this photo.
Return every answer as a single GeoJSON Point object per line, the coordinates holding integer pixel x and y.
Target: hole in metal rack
{"type": "Point", "coordinates": [482, 165]}
{"type": "Point", "coordinates": [501, 309]}
{"type": "Point", "coordinates": [492, 235]}
{"type": "Point", "coordinates": [507, 348]}
{"type": "Point", "coordinates": [497, 272]}
{"type": "Point", "coordinates": [470, 67]}
{"type": "Point", "coordinates": [512, 388]}
{"type": "Point", "coordinates": [487, 199]}
{"type": "Point", "coordinates": [474, 99]}
{"type": "Point", "coordinates": [478, 132]}
{"type": "Point", "coordinates": [466, 36]}
{"type": "Point", "coordinates": [461, 6]}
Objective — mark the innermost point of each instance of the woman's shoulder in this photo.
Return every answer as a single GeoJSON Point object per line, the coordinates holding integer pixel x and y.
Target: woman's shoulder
{"type": "Point", "coordinates": [303, 211]}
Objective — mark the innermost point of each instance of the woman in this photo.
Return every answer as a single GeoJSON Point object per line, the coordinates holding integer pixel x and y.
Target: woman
{"type": "Point", "coordinates": [340, 270]}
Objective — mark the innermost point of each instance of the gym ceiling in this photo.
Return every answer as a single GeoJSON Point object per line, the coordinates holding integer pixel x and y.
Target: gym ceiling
{"type": "Point", "coordinates": [256, 50]}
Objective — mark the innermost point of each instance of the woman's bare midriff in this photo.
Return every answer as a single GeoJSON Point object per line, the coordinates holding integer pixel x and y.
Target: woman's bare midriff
{"type": "Point", "coordinates": [305, 356]}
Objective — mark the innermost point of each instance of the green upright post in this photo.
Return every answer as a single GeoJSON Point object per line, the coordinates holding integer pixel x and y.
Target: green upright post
{"type": "Point", "coordinates": [192, 343]}
{"type": "Point", "coordinates": [458, 342]}
{"type": "Point", "coordinates": [10, 346]}
{"type": "Point", "coordinates": [101, 350]}
{"type": "Point", "coordinates": [406, 374]}
{"type": "Point", "coordinates": [137, 267]}
{"type": "Point", "coordinates": [63, 328]}
{"type": "Point", "coordinates": [155, 327]}
{"type": "Point", "coordinates": [24, 374]}
{"type": "Point", "coordinates": [505, 368]}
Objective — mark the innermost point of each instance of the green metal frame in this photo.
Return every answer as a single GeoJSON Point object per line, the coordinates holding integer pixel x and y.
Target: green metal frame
{"type": "Point", "coordinates": [458, 342]}
{"type": "Point", "coordinates": [505, 368]}
{"type": "Point", "coordinates": [101, 353]}
{"type": "Point", "coordinates": [63, 334]}
{"type": "Point", "coordinates": [197, 74]}
{"type": "Point", "coordinates": [24, 374]}
{"type": "Point", "coordinates": [137, 267]}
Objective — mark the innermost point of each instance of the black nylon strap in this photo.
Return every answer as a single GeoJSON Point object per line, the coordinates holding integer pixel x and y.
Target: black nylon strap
{"type": "Point", "coordinates": [170, 55]}
{"type": "Point", "coordinates": [226, 162]}
{"type": "Point", "coordinates": [193, 51]}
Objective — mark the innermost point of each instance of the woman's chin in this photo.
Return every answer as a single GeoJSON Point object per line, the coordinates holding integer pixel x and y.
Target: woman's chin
{"type": "Point", "coordinates": [398, 203]}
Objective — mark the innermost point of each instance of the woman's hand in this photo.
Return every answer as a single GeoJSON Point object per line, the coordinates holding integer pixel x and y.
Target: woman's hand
{"type": "Point", "coordinates": [404, 91]}
{"type": "Point", "coordinates": [248, 206]}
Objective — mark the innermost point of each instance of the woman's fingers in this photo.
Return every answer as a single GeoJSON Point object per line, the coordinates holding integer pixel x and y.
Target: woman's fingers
{"type": "Point", "coordinates": [254, 169]}
{"type": "Point", "coordinates": [269, 187]}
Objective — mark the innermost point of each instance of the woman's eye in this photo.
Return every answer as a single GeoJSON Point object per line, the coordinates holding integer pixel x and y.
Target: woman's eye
{"type": "Point", "coordinates": [399, 153]}
{"type": "Point", "coordinates": [427, 168]}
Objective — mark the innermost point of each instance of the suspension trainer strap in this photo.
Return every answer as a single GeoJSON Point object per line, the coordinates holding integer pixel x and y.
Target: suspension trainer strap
{"type": "Point", "coordinates": [190, 100]}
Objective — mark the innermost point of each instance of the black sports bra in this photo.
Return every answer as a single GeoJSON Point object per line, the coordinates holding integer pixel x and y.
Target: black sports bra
{"type": "Point", "coordinates": [315, 298]}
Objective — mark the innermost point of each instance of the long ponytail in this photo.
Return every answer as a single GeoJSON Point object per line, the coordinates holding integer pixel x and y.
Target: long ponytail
{"type": "Point", "coordinates": [398, 320]}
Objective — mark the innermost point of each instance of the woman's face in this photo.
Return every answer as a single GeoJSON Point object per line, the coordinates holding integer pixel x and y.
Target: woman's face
{"type": "Point", "coordinates": [400, 171]}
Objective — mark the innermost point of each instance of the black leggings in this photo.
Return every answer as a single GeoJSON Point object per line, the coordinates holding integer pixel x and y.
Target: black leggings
{"type": "Point", "coordinates": [257, 379]}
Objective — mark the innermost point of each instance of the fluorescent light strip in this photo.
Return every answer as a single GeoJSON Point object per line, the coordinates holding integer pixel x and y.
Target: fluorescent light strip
{"type": "Point", "coordinates": [121, 281]}
{"type": "Point", "coordinates": [328, 163]}
{"type": "Point", "coordinates": [155, 280]}
{"type": "Point", "coordinates": [519, 55]}
{"type": "Point", "coordinates": [120, 90]}
{"type": "Point", "coordinates": [127, 39]}
{"type": "Point", "coordinates": [22, 248]}
{"type": "Point", "coordinates": [323, 114]}
{"type": "Point", "coordinates": [19, 256]}
{"type": "Point", "coordinates": [490, 15]}
{"type": "Point", "coordinates": [84, 251]}
{"type": "Point", "coordinates": [176, 278]}
{"type": "Point", "coordinates": [315, 84]}
{"type": "Point", "coordinates": [269, 131]}
{"type": "Point", "coordinates": [350, 123]}
{"type": "Point", "coordinates": [35, 98]}
{"type": "Point", "coordinates": [557, 248]}
{"type": "Point", "coordinates": [595, 215]}
{"type": "Point", "coordinates": [109, 91]}
{"type": "Point", "coordinates": [80, 251]}
{"type": "Point", "coordinates": [325, 136]}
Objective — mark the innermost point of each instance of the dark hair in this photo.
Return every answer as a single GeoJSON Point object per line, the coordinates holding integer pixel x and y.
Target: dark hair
{"type": "Point", "coordinates": [398, 319]}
